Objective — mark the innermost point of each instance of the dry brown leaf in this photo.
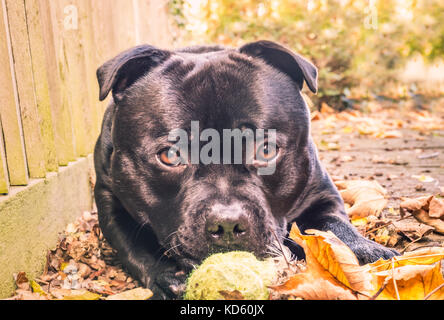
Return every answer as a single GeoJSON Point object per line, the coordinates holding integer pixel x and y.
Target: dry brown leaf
{"type": "Point", "coordinates": [436, 208]}
{"type": "Point", "coordinates": [365, 197]}
{"type": "Point", "coordinates": [427, 210]}
{"type": "Point", "coordinates": [135, 294]}
{"type": "Point", "coordinates": [412, 229]}
{"type": "Point", "coordinates": [333, 271]}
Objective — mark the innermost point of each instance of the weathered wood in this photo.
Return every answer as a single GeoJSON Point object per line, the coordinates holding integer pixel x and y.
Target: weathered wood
{"type": "Point", "coordinates": [86, 25]}
{"type": "Point", "coordinates": [63, 133]}
{"type": "Point", "coordinates": [103, 38]}
{"type": "Point", "coordinates": [73, 73]}
{"type": "Point", "coordinates": [35, 149]}
{"type": "Point", "coordinates": [150, 13]}
{"type": "Point", "coordinates": [9, 112]}
{"type": "Point", "coordinates": [123, 24]}
{"type": "Point", "coordinates": [41, 85]}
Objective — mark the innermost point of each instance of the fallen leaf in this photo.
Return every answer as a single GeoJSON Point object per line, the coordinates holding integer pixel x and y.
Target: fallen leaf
{"type": "Point", "coordinates": [412, 229]}
{"type": "Point", "coordinates": [436, 208]}
{"type": "Point", "coordinates": [81, 295]}
{"type": "Point", "coordinates": [365, 197]}
{"type": "Point", "coordinates": [423, 178]}
{"type": "Point", "coordinates": [389, 134]}
{"type": "Point", "coordinates": [333, 271]}
{"type": "Point", "coordinates": [411, 282]}
{"type": "Point", "coordinates": [135, 294]}
{"type": "Point", "coordinates": [420, 209]}
{"type": "Point", "coordinates": [37, 288]}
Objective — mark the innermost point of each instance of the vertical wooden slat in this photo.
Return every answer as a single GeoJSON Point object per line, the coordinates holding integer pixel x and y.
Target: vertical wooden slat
{"type": "Point", "coordinates": [91, 62]}
{"type": "Point", "coordinates": [63, 133]}
{"type": "Point", "coordinates": [73, 75]}
{"type": "Point", "coordinates": [9, 112]}
{"type": "Point", "coordinates": [123, 23]}
{"type": "Point", "coordinates": [103, 37]}
{"type": "Point", "coordinates": [158, 34]}
{"type": "Point", "coordinates": [35, 149]}
{"type": "Point", "coordinates": [41, 85]}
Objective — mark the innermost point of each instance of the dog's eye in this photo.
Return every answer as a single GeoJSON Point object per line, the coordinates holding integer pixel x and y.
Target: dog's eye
{"type": "Point", "coordinates": [170, 157]}
{"type": "Point", "coordinates": [267, 152]}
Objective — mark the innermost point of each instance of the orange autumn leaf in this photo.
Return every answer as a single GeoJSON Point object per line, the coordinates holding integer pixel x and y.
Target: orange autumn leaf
{"type": "Point", "coordinates": [411, 282]}
{"type": "Point", "coordinates": [333, 271]}
{"type": "Point", "coordinates": [413, 276]}
{"type": "Point", "coordinates": [426, 256]}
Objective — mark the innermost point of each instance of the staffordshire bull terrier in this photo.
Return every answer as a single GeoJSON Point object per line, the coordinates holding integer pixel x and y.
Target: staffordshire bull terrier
{"type": "Point", "coordinates": [164, 216]}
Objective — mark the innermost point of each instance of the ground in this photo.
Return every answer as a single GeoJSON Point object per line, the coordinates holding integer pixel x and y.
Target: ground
{"type": "Point", "coordinates": [399, 147]}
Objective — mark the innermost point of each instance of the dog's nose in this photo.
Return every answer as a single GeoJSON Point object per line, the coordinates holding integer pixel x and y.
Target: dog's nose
{"type": "Point", "coordinates": [227, 225]}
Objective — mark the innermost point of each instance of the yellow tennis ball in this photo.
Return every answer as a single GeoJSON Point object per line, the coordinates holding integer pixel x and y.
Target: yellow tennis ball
{"type": "Point", "coordinates": [232, 271]}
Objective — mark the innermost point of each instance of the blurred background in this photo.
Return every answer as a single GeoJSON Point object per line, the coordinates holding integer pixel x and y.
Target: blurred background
{"type": "Point", "coordinates": [364, 49]}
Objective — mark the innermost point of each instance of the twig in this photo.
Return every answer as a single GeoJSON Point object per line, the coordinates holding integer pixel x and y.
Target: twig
{"type": "Point", "coordinates": [385, 225]}
{"type": "Point", "coordinates": [379, 291]}
{"type": "Point", "coordinates": [406, 258]}
{"type": "Point", "coordinates": [405, 248]}
{"type": "Point", "coordinates": [433, 291]}
{"type": "Point", "coordinates": [428, 156]}
{"type": "Point", "coordinates": [394, 280]}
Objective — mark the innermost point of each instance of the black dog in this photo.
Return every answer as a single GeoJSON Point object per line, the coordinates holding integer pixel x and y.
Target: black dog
{"type": "Point", "coordinates": [163, 218]}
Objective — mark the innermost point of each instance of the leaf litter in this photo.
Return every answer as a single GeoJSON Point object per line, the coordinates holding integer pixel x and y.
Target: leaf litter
{"type": "Point", "coordinates": [82, 267]}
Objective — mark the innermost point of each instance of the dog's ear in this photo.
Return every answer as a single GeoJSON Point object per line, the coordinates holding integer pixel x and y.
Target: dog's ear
{"type": "Point", "coordinates": [284, 60]}
{"type": "Point", "coordinates": [120, 72]}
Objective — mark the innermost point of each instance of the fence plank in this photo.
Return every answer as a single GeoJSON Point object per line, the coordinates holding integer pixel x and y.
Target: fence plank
{"type": "Point", "coordinates": [63, 133]}
{"type": "Point", "coordinates": [9, 112]}
{"type": "Point", "coordinates": [73, 73]}
{"type": "Point", "coordinates": [41, 85]}
{"type": "Point", "coordinates": [123, 23]}
{"type": "Point", "coordinates": [103, 37]}
{"type": "Point", "coordinates": [91, 61]}
{"type": "Point", "coordinates": [35, 151]}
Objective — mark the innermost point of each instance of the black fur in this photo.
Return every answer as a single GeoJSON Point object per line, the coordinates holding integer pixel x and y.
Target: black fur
{"type": "Point", "coordinates": [158, 217]}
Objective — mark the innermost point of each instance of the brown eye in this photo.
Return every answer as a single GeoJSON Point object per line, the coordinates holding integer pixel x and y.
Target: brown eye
{"type": "Point", "coordinates": [267, 152]}
{"type": "Point", "coordinates": [170, 157]}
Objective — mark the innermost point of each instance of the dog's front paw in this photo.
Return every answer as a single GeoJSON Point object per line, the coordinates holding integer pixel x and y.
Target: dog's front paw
{"type": "Point", "coordinates": [368, 251]}
{"type": "Point", "coordinates": [170, 285]}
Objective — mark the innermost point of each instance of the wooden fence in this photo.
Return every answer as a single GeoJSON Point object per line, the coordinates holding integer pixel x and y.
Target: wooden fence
{"type": "Point", "coordinates": [49, 52]}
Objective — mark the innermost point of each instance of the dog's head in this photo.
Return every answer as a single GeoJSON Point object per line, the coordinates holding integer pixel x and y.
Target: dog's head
{"type": "Point", "coordinates": [196, 208]}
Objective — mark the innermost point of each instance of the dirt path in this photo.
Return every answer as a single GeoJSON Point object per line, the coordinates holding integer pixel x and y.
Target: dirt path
{"type": "Point", "coordinates": [411, 164]}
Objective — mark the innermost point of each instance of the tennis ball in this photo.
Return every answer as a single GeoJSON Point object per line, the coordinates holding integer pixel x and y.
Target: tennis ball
{"type": "Point", "coordinates": [232, 271]}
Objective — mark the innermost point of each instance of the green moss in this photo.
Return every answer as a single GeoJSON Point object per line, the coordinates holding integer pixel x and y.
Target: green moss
{"type": "Point", "coordinates": [232, 271]}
